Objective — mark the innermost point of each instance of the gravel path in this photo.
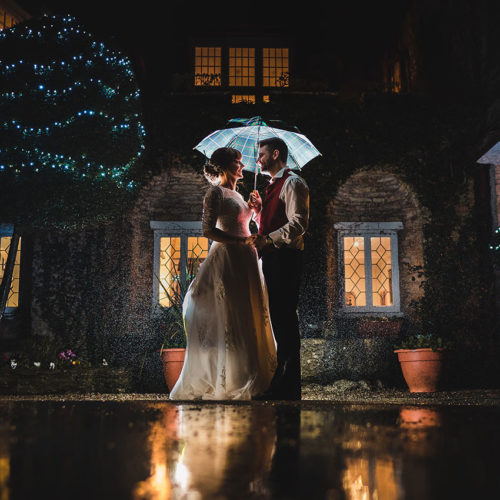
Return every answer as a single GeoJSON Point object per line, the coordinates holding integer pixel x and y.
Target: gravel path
{"type": "Point", "coordinates": [341, 392]}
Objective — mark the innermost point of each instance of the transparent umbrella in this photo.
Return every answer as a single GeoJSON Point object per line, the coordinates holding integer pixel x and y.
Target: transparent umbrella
{"type": "Point", "coordinates": [246, 137]}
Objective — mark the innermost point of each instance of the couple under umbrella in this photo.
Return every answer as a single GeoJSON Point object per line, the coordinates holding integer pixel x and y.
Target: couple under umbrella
{"type": "Point", "coordinates": [241, 317]}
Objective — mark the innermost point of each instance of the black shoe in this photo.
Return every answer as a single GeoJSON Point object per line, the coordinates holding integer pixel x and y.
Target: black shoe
{"type": "Point", "coordinates": [265, 396]}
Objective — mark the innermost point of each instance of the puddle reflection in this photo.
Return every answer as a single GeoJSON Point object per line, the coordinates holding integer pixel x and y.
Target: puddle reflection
{"type": "Point", "coordinates": [161, 451]}
{"type": "Point", "coordinates": [415, 417]}
{"type": "Point", "coordinates": [203, 453]}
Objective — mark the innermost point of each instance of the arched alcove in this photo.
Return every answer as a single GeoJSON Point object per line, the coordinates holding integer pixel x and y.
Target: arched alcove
{"type": "Point", "coordinates": [377, 195]}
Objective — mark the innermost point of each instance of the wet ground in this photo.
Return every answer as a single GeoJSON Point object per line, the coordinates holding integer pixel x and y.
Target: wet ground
{"type": "Point", "coordinates": [159, 450]}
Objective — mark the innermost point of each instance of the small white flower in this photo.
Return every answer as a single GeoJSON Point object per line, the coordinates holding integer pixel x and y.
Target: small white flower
{"type": "Point", "coordinates": [104, 362]}
{"type": "Point", "coordinates": [13, 364]}
{"type": "Point", "coordinates": [52, 366]}
{"type": "Point", "coordinates": [36, 364]}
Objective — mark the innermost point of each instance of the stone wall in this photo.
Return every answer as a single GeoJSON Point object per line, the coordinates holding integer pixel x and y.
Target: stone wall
{"type": "Point", "coordinates": [326, 360]}
{"type": "Point", "coordinates": [92, 289]}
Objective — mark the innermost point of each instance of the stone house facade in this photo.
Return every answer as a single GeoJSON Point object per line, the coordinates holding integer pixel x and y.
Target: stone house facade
{"type": "Point", "coordinates": [100, 289]}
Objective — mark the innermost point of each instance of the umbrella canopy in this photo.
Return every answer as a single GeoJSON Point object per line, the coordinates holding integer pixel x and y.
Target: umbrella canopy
{"type": "Point", "coordinates": [245, 139]}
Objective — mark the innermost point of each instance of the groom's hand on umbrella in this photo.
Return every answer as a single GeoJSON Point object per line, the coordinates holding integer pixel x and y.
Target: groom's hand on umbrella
{"type": "Point", "coordinates": [255, 202]}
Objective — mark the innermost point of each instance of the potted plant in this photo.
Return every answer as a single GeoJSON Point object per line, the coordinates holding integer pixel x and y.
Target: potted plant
{"type": "Point", "coordinates": [421, 358]}
{"type": "Point", "coordinates": [173, 348]}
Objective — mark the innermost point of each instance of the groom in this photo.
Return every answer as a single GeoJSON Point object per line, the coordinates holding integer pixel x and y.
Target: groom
{"type": "Point", "coordinates": [282, 218]}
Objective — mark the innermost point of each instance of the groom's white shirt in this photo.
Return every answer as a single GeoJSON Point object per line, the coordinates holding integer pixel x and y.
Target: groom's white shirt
{"type": "Point", "coordinates": [295, 195]}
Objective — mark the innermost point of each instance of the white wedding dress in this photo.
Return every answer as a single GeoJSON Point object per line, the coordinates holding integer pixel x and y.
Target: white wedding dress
{"type": "Point", "coordinates": [231, 351]}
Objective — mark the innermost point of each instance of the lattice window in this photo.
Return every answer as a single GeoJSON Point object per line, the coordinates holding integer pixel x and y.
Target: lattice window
{"type": "Point", "coordinates": [241, 67]}
{"type": "Point", "coordinates": [381, 271]}
{"type": "Point", "coordinates": [354, 270]}
{"type": "Point", "coordinates": [207, 67]}
{"type": "Point", "coordinates": [247, 99]}
{"type": "Point", "coordinates": [13, 299]}
{"type": "Point", "coordinates": [369, 266]}
{"type": "Point", "coordinates": [275, 67]}
{"type": "Point", "coordinates": [179, 251]}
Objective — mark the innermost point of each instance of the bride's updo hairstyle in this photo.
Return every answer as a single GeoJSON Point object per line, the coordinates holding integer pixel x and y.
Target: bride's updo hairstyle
{"type": "Point", "coordinates": [219, 162]}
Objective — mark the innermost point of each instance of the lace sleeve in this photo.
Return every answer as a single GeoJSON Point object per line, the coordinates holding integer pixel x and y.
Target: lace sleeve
{"type": "Point", "coordinates": [212, 205]}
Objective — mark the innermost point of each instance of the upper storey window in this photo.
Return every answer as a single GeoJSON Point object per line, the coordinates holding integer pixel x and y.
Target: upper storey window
{"type": "Point", "coordinates": [275, 69]}
{"type": "Point", "coordinates": [207, 67]}
{"type": "Point", "coordinates": [241, 67]}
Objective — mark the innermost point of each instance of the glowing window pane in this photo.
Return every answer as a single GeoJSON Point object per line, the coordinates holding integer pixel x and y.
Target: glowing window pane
{"type": "Point", "coordinates": [275, 68]}
{"type": "Point", "coordinates": [170, 269]}
{"type": "Point", "coordinates": [13, 299]}
{"type": "Point", "coordinates": [354, 271]}
{"type": "Point", "coordinates": [197, 253]}
{"type": "Point", "coordinates": [266, 99]}
{"type": "Point", "coordinates": [241, 67]}
{"type": "Point", "coordinates": [381, 271]}
{"type": "Point", "coordinates": [247, 99]}
{"type": "Point", "coordinates": [207, 67]}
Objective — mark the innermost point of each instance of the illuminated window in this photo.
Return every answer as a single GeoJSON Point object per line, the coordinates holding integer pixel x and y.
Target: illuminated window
{"type": "Point", "coordinates": [8, 19]}
{"type": "Point", "coordinates": [5, 239]}
{"type": "Point", "coordinates": [207, 67]}
{"type": "Point", "coordinates": [275, 70]}
{"type": "Point", "coordinates": [266, 99]}
{"type": "Point", "coordinates": [241, 67]}
{"type": "Point", "coordinates": [179, 249]}
{"type": "Point", "coordinates": [368, 257]}
{"type": "Point", "coordinates": [247, 99]}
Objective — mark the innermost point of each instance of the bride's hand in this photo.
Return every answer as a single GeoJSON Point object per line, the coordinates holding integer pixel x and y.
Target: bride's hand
{"type": "Point", "coordinates": [250, 240]}
{"type": "Point", "coordinates": [255, 201]}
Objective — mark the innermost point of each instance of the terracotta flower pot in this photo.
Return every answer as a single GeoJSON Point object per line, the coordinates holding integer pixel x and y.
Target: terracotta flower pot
{"type": "Point", "coordinates": [173, 360]}
{"type": "Point", "coordinates": [421, 368]}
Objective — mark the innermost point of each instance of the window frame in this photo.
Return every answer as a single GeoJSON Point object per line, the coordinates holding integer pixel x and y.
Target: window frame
{"type": "Point", "coordinates": [258, 44]}
{"type": "Point", "coordinates": [368, 230]}
{"type": "Point", "coordinates": [7, 230]}
{"type": "Point", "coordinates": [172, 229]}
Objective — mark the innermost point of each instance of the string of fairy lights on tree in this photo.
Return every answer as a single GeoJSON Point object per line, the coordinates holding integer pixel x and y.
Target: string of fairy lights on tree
{"type": "Point", "coordinates": [495, 245]}
{"type": "Point", "coordinates": [68, 103]}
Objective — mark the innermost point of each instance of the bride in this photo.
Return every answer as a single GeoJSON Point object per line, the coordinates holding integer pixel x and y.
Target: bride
{"type": "Point", "coordinates": [231, 351]}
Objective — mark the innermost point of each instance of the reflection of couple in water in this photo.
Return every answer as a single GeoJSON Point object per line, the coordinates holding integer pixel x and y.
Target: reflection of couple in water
{"type": "Point", "coordinates": [223, 451]}
{"type": "Point", "coordinates": [241, 323]}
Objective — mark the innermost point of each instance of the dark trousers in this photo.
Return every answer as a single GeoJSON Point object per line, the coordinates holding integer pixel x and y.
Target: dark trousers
{"type": "Point", "coordinates": [282, 269]}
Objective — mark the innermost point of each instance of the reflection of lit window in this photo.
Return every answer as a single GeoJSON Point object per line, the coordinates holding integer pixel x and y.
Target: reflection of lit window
{"type": "Point", "coordinates": [247, 99]}
{"type": "Point", "coordinates": [241, 67]}
{"type": "Point", "coordinates": [369, 479]}
{"type": "Point", "coordinates": [207, 66]}
{"type": "Point", "coordinates": [5, 239]}
{"type": "Point", "coordinates": [369, 269]}
{"type": "Point", "coordinates": [395, 82]}
{"type": "Point", "coordinates": [275, 69]}
{"type": "Point", "coordinates": [179, 249]}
